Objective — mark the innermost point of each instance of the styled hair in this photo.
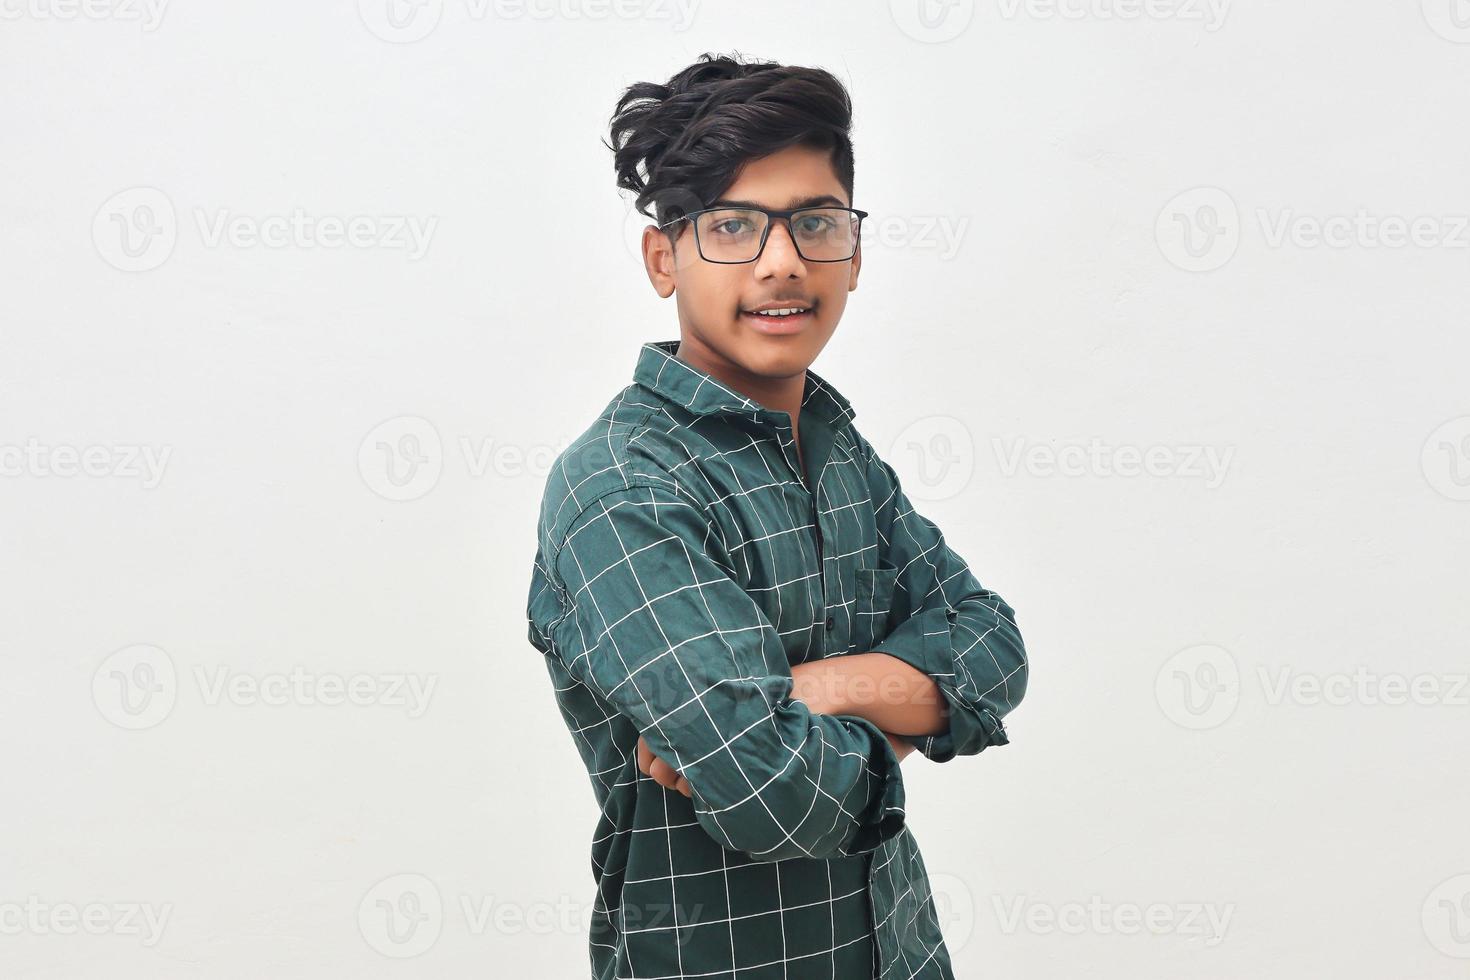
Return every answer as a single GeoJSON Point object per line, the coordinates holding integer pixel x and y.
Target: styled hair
{"type": "Point", "coordinates": [679, 145]}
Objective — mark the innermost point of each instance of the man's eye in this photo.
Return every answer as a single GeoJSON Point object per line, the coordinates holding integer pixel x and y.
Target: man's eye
{"type": "Point", "coordinates": [731, 226]}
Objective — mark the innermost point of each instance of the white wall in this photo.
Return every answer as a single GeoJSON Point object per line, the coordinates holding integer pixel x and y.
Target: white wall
{"type": "Point", "coordinates": [1031, 179]}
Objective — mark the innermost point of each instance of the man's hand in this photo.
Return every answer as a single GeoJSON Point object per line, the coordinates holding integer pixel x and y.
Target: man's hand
{"type": "Point", "coordinates": [659, 770]}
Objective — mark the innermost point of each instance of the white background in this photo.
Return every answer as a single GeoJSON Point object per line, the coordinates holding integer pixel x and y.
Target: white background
{"type": "Point", "coordinates": [1034, 282]}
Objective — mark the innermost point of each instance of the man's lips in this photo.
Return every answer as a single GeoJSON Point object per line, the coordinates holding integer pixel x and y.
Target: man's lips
{"type": "Point", "coordinates": [778, 325]}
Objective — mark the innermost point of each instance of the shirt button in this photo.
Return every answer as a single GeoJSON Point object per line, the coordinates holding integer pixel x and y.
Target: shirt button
{"type": "Point", "coordinates": [831, 623]}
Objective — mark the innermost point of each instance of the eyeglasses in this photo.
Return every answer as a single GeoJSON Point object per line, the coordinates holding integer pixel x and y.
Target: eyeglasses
{"type": "Point", "coordinates": [731, 236]}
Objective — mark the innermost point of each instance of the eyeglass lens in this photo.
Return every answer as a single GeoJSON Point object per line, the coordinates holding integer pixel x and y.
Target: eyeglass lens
{"type": "Point", "coordinates": [734, 234]}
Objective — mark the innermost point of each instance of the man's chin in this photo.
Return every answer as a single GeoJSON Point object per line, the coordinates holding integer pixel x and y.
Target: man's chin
{"type": "Point", "coordinates": [775, 357]}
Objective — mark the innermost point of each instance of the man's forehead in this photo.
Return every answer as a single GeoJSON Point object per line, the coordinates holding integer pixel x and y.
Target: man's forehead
{"type": "Point", "coordinates": [735, 199]}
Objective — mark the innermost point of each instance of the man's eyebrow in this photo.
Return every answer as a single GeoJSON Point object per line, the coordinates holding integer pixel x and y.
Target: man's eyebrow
{"type": "Point", "coordinates": [806, 202]}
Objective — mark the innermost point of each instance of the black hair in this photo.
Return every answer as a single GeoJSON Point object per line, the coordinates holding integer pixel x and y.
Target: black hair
{"type": "Point", "coordinates": [679, 145]}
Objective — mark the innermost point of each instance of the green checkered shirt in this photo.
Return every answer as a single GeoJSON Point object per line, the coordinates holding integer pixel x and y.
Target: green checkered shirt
{"type": "Point", "coordinates": [684, 563]}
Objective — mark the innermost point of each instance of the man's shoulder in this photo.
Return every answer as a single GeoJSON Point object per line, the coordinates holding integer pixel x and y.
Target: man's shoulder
{"type": "Point", "coordinates": [637, 441]}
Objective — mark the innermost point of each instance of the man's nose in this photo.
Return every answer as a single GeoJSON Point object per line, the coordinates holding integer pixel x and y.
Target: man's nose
{"type": "Point", "coordinates": [780, 256]}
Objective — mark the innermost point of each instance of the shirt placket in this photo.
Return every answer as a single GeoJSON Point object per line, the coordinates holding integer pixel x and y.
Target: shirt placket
{"type": "Point", "coordinates": [818, 446]}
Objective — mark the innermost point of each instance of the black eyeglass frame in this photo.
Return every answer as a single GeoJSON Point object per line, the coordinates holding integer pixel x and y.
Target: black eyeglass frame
{"type": "Point", "coordinates": [771, 216]}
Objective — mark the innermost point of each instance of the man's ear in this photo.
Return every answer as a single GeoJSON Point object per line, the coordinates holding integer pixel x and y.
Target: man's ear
{"type": "Point", "coordinates": [857, 264]}
{"type": "Point", "coordinates": [659, 261]}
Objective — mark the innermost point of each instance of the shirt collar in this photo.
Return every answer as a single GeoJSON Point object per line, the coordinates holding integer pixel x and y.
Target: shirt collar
{"type": "Point", "coordinates": [680, 382]}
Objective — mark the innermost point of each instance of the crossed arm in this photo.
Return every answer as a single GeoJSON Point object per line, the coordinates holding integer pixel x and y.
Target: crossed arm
{"type": "Point", "coordinates": [943, 679]}
{"type": "Point", "coordinates": [640, 606]}
{"type": "Point", "coordinates": [897, 697]}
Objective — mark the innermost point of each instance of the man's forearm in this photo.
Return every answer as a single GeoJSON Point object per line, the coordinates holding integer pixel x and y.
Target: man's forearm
{"type": "Point", "coordinates": [892, 694]}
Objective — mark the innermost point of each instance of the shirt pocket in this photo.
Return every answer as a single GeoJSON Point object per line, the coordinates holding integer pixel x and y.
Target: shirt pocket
{"type": "Point", "coordinates": [872, 605]}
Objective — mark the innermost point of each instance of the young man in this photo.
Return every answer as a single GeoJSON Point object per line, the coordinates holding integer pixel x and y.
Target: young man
{"type": "Point", "coordinates": [746, 622]}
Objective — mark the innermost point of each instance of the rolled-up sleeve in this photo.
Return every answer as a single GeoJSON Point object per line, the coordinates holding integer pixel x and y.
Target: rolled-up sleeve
{"type": "Point", "coordinates": [961, 634]}
{"type": "Point", "coordinates": [653, 622]}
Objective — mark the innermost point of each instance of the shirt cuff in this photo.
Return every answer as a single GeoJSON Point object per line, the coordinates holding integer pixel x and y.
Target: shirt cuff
{"type": "Point", "coordinates": [923, 642]}
{"type": "Point", "coordinates": [885, 814]}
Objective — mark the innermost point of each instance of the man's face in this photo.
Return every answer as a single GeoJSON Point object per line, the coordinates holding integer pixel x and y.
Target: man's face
{"type": "Point", "coordinates": [715, 300]}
